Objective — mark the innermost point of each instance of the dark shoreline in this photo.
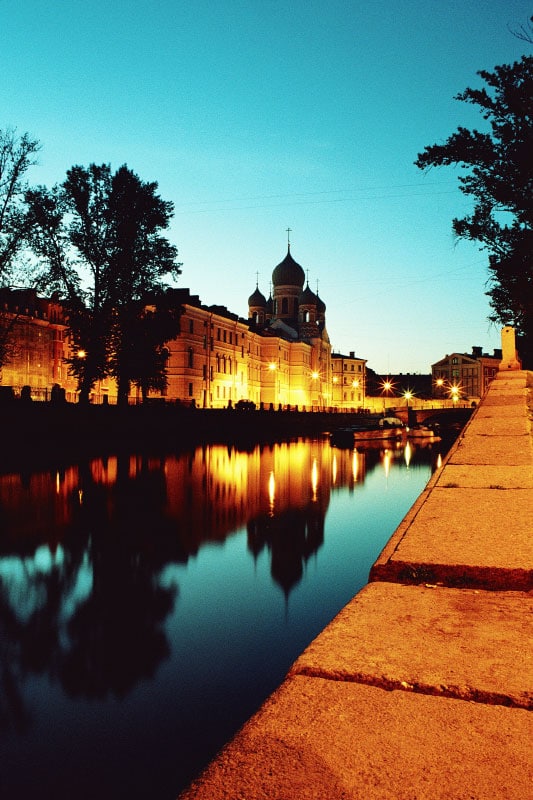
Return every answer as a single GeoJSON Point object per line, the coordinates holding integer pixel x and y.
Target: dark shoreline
{"type": "Point", "coordinates": [42, 434]}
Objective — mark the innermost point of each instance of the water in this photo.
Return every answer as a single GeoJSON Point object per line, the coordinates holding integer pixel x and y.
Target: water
{"type": "Point", "coordinates": [149, 605]}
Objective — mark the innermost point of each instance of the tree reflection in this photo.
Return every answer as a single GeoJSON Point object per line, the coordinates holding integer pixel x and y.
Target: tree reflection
{"type": "Point", "coordinates": [108, 638]}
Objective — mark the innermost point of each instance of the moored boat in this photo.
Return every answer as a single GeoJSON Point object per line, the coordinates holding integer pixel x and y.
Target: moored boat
{"type": "Point", "coordinates": [354, 435]}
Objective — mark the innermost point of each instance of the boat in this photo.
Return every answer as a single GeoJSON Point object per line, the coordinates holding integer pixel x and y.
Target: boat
{"type": "Point", "coordinates": [353, 435]}
{"type": "Point", "coordinates": [422, 432]}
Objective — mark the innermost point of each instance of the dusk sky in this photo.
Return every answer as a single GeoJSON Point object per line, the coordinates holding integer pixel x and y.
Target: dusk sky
{"type": "Point", "coordinates": [258, 116]}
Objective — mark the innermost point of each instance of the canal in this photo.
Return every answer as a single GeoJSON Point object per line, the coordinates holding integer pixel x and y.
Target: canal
{"type": "Point", "coordinates": [149, 604]}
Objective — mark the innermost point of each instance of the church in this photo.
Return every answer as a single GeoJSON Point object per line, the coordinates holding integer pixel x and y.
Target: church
{"type": "Point", "coordinates": [278, 357]}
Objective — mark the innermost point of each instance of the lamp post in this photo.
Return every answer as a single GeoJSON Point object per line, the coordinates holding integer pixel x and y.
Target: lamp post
{"type": "Point", "coordinates": [408, 396]}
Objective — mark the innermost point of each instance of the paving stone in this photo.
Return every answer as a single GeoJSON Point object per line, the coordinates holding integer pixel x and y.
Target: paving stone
{"type": "Point", "coordinates": [318, 739]}
{"type": "Point", "coordinates": [456, 642]}
{"type": "Point", "coordinates": [464, 537]}
{"type": "Point", "coordinates": [499, 450]}
{"type": "Point", "coordinates": [485, 476]}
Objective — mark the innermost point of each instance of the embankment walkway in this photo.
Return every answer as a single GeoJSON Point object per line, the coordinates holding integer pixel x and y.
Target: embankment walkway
{"type": "Point", "coordinates": [422, 687]}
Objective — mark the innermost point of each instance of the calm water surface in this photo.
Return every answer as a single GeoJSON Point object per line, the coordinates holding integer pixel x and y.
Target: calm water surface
{"type": "Point", "coordinates": [148, 605]}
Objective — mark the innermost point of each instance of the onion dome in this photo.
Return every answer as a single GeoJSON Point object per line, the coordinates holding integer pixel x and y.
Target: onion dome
{"type": "Point", "coordinates": [257, 299]}
{"type": "Point", "coordinates": [320, 305]}
{"type": "Point", "coordinates": [307, 297]}
{"type": "Point", "coordinates": [270, 305]}
{"type": "Point", "coordinates": [288, 272]}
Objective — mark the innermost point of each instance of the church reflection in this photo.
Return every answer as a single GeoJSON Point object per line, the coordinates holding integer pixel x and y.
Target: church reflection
{"type": "Point", "coordinates": [83, 547]}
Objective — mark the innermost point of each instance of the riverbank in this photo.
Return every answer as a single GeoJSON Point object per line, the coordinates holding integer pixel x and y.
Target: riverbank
{"type": "Point", "coordinates": [35, 434]}
{"type": "Point", "coordinates": [421, 686]}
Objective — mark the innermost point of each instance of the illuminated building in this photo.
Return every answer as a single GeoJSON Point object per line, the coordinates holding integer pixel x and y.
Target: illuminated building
{"type": "Point", "coordinates": [461, 375]}
{"type": "Point", "coordinates": [348, 380]}
{"type": "Point", "coordinates": [278, 357]}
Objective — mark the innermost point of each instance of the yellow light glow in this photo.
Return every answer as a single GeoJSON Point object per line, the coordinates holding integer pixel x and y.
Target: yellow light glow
{"type": "Point", "coordinates": [408, 395]}
{"type": "Point", "coordinates": [334, 470]}
{"type": "Point", "coordinates": [81, 353]}
{"type": "Point", "coordinates": [387, 458]}
{"type": "Point", "coordinates": [272, 366]}
{"type": "Point", "coordinates": [314, 478]}
{"type": "Point", "coordinates": [271, 491]}
{"type": "Point", "coordinates": [355, 466]}
{"type": "Point", "coordinates": [314, 375]}
{"type": "Point", "coordinates": [355, 384]}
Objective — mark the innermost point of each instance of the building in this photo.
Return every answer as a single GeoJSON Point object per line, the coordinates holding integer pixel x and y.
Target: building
{"type": "Point", "coordinates": [348, 380]}
{"type": "Point", "coordinates": [34, 343]}
{"type": "Point", "coordinates": [278, 357]}
{"type": "Point", "coordinates": [463, 375]}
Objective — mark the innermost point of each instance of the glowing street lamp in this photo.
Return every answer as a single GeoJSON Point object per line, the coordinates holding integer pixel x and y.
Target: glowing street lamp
{"type": "Point", "coordinates": [454, 393]}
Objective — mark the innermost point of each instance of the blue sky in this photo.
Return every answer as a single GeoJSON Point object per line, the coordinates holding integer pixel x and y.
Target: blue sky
{"type": "Point", "coordinates": [262, 115]}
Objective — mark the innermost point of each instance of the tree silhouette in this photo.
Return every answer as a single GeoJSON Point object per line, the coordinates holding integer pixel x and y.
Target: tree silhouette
{"type": "Point", "coordinates": [113, 224]}
{"type": "Point", "coordinates": [498, 175]}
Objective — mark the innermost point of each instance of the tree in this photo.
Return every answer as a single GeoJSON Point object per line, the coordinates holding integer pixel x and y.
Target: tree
{"type": "Point", "coordinates": [498, 175]}
{"type": "Point", "coordinates": [103, 231]}
{"type": "Point", "coordinates": [17, 155]}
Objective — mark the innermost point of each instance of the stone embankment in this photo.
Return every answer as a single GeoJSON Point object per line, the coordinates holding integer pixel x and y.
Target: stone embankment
{"type": "Point", "coordinates": [422, 687]}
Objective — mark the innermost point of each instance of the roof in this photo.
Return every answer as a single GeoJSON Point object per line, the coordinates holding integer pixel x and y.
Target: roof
{"type": "Point", "coordinates": [288, 272]}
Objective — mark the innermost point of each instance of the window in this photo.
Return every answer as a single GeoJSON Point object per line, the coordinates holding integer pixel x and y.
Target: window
{"type": "Point", "coordinates": [191, 356]}
{"type": "Point", "coordinates": [191, 326]}
{"type": "Point", "coordinates": [284, 305]}
{"type": "Point", "coordinates": [190, 390]}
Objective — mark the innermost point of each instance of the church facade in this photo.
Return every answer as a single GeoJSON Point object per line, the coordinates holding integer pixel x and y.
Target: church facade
{"type": "Point", "coordinates": [279, 356]}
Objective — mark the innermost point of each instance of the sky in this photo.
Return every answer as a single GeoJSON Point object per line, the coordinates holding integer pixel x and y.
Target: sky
{"type": "Point", "coordinates": [258, 116]}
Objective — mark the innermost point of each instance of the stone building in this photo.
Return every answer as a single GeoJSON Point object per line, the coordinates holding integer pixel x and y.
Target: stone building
{"type": "Point", "coordinates": [348, 380]}
{"type": "Point", "coordinates": [279, 356]}
{"type": "Point", "coordinates": [465, 375]}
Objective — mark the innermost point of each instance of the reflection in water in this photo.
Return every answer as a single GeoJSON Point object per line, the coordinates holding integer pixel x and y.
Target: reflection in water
{"type": "Point", "coordinates": [83, 552]}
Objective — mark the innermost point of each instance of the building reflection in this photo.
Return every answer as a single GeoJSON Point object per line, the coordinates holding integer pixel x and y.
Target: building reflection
{"type": "Point", "coordinates": [83, 548]}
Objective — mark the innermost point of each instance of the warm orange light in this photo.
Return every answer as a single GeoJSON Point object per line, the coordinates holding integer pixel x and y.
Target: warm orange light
{"type": "Point", "coordinates": [314, 375]}
{"type": "Point", "coordinates": [408, 395]}
{"type": "Point", "coordinates": [355, 384]}
{"type": "Point", "coordinates": [81, 354]}
{"type": "Point", "coordinates": [272, 366]}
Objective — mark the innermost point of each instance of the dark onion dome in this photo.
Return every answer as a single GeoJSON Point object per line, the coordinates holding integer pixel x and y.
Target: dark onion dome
{"type": "Point", "coordinates": [269, 305]}
{"type": "Point", "coordinates": [307, 297]}
{"type": "Point", "coordinates": [288, 273]}
{"type": "Point", "coordinates": [257, 299]}
{"type": "Point", "coordinates": [320, 305]}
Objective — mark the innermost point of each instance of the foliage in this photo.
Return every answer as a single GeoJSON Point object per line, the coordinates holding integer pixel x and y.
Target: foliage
{"type": "Point", "coordinates": [17, 154]}
{"type": "Point", "coordinates": [100, 234]}
{"type": "Point", "coordinates": [498, 175]}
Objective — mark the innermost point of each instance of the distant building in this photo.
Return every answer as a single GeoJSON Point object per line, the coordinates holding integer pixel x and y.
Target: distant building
{"type": "Point", "coordinates": [465, 375]}
{"type": "Point", "coordinates": [348, 380]}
